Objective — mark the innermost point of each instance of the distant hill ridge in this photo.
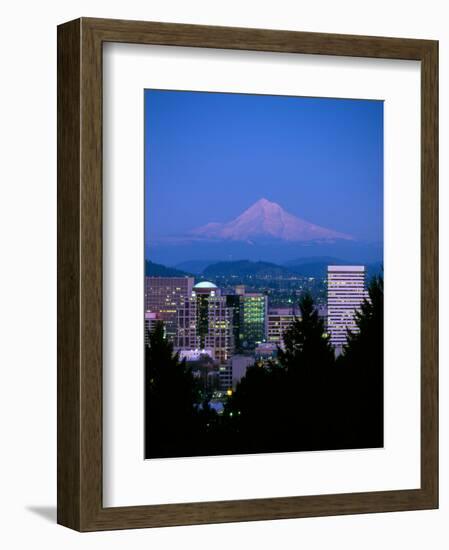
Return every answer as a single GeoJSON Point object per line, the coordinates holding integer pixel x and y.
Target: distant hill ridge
{"type": "Point", "coordinates": [306, 267]}
{"type": "Point", "coordinates": [158, 270]}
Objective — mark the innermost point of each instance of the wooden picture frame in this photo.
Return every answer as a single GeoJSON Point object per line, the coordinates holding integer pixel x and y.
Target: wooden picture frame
{"type": "Point", "coordinates": [80, 503]}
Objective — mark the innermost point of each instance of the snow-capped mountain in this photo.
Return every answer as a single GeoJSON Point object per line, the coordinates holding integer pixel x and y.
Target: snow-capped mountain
{"type": "Point", "coordinates": [266, 219]}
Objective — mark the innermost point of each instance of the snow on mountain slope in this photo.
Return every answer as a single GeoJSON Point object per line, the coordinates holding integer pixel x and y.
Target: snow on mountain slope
{"type": "Point", "coordinates": [267, 219]}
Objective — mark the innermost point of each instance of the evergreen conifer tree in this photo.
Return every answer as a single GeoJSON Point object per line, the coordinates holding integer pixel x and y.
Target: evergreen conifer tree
{"type": "Point", "coordinates": [306, 346]}
{"type": "Point", "coordinates": [171, 400]}
{"type": "Point", "coordinates": [363, 369]}
{"type": "Point", "coordinates": [309, 359]}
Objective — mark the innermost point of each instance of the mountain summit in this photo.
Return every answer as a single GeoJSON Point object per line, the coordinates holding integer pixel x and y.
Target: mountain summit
{"type": "Point", "coordinates": [266, 219]}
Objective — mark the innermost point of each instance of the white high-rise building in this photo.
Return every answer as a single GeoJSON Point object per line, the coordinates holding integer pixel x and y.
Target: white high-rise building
{"type": "Point", "coordinates": [345, 294]}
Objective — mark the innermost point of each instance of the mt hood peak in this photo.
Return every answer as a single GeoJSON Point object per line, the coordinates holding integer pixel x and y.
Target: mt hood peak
{"type": "Point", "coordinates": [267, 219]}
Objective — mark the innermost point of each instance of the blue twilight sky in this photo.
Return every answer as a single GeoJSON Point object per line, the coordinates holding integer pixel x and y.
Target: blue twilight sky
{"type": "Point", "coordinates": [209, 156]}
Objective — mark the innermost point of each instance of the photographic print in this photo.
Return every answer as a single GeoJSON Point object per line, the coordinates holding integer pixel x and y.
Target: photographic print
{"type": "Point", "coordinates": [263, 313]}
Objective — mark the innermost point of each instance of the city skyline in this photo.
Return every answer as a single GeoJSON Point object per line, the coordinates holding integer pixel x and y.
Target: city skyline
{"type": "Point", "coordinates": [234, 319]}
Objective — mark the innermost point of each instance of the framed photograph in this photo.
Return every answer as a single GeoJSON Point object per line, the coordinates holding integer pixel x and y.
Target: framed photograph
{"type": "Point", "coordinates": [247, 274]}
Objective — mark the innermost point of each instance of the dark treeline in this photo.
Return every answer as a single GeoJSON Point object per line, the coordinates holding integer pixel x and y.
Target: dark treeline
{"type": "Point", "coordinates": [306, 400]}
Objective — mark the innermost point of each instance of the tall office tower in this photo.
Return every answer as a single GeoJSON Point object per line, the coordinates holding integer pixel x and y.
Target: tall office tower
{"type": "Point", "coordinates": [187, 337]}
{"type": "Point", "coordinates": [163, 295]}
{"type": "Point", "coordinates": [205, 322]}
{"type": "Point", "coordinates": [233, 302]}
{"type": "Point", "coordinates": [345, 294]}
{"type": "Point", "coordinates": [253, 319]}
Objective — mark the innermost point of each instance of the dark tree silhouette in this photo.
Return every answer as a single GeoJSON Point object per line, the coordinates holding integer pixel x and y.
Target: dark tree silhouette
{"type": "Point", "coordinates": [254, 417]}
{"type": "Point", "coordinates": [290, 405]}
{"type": "Point", "coordinates": [309, 359]}
{"type": "Point", "coordinates": [306, 344]}
{"type": "Point", "coordinates": [171, 400]}
{"type": "Point", "coordinates": [363, 370]}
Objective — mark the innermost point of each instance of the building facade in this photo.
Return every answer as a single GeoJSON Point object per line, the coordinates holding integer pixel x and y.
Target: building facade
{"type": "Point", "coordinates": [205, 322]}
{"type": "Point", "coordinates": [345, 294]}
{"type": "Point", "coordinates": [163, 296]}
{"type": "Point", "coordinates": [279, 320]}
{"type": "Point", "coordinates": [150, 322]}
{"type": "Point", "coordinates": [253, 319]}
